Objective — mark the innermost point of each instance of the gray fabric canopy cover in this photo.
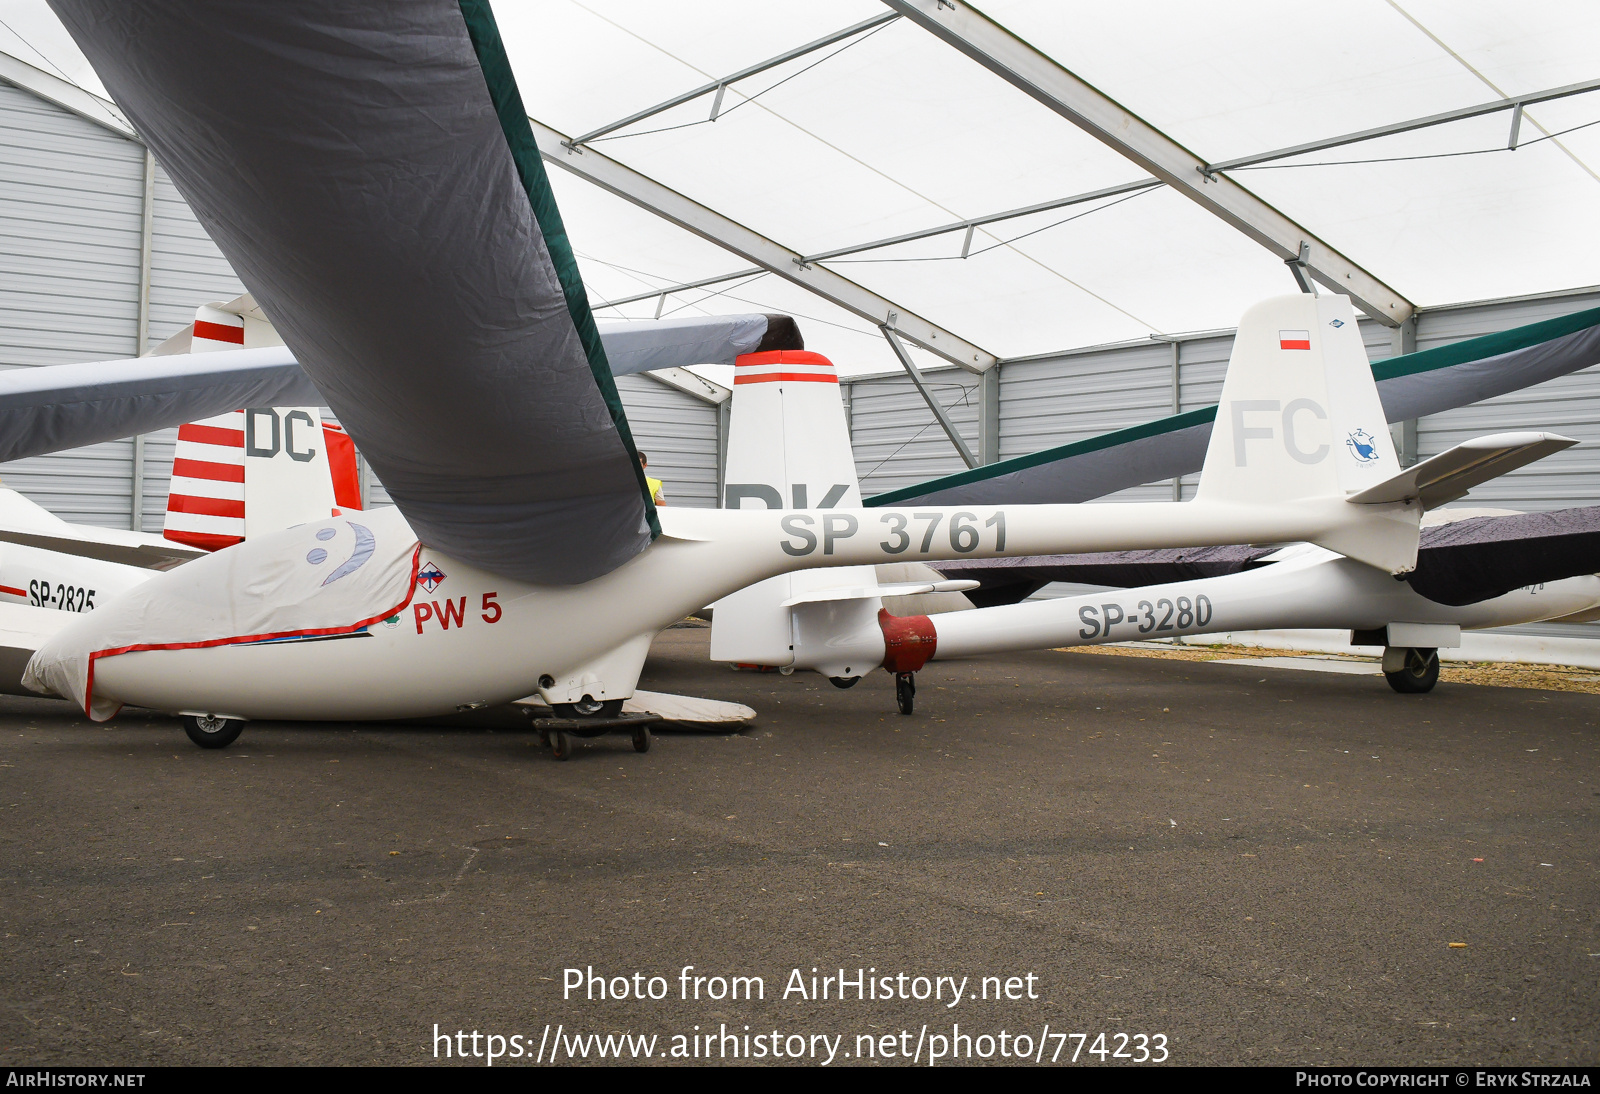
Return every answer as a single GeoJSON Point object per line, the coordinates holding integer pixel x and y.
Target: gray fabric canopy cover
{"type": "Point", "coordinates": [1410, 386]}
{"type": "Point", "coordinates": [1461, 562]}
{"type": "Point", "coordinates": [56, 407]}
{"type": "Point", "coordinates": [369, 172]}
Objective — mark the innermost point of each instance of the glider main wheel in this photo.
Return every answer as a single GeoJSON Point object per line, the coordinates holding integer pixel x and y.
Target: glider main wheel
{"type": "Point", "coordinates": [641, 739]}
{"type": "Point", "coordinates": [1419, 673]}
{"type": "Point", "coordinates": [209, 731]}
{"type": "Point", "coordinates": [588, 708]}
{"type": "Point", "coordinates": [905, 691]}
{"type": "Point", "coordinates": [560, 744]}
{"type": "Point", "coordinates": [842, 682]}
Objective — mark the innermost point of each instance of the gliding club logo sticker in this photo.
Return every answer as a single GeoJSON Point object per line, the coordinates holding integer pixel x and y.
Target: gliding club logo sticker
{"type": "Point", "coordinates": [430, 577]}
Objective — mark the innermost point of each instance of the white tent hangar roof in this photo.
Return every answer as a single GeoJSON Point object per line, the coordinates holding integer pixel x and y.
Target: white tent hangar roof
{"type": "Point", "coordinates": [893, 131]}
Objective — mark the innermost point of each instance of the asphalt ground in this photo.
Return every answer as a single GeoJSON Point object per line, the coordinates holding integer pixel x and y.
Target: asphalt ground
{"type": "Point", "coordinates": [1264, 866]}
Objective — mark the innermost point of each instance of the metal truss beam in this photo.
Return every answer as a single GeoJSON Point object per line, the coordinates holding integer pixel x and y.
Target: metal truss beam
{"type": "Point", "coordinates": [1515, 104]}
{"type": "Point", "coordinates": [750, 245]}
{"type": "Point", "coordinates": [939, 414]}
{"type": "Point", "coordinates": [1140, 184]}
{"type": "Point", "coordinates": [717, 86]}
{"type": "Point", "coordinates": [1040, 77]}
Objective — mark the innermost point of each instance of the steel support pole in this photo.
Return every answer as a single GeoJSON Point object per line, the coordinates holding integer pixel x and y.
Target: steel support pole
{"type": "Point", "coordinates": [1403, 340]}
{"type": "Point", "coordinates": [989, 416]}
{"type": "Point", "coordinates": [1177, 407]}
{"type": "Point", "coordinates": [147, 215]}
{"type": "Point", "coordinates": [943, 419]}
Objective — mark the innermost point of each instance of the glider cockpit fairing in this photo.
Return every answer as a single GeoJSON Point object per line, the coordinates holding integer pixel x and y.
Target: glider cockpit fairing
{"type": "Point", "coordinates": [370, 173]}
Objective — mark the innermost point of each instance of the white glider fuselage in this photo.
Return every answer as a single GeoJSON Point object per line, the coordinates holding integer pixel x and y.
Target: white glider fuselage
{"type": "Point", "coordinates": [477, 639]}
{"type": "Point", "coordinates": [1310, 589]}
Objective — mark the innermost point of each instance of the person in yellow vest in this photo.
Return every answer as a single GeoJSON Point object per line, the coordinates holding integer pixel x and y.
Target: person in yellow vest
{"type": "Point", "coordinates": [654, 484]}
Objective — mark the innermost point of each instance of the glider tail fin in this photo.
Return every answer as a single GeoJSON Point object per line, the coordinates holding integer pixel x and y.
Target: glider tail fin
{"type": "Point", "coordinates": [249, 472]}
{"type": "Point", "coordinates": [1299, 415]}
{"type": "Point", "coordinates": [1300, 419]}
{"type": "Point", "coordinates": [789, 448]}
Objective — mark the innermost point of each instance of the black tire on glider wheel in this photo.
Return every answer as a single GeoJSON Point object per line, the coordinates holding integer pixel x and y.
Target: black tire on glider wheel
{"type": "Point", "coordinates": [208, 731]}
{"type": "Point", "coordinates": [905, 692]}
{"type": "Point", "coordinates": [560, 744]}
{"type": "Point", "coordinates": [588, 708]}
{"type": "Point", "coordinates": [1418, 674]}
{"type": "Point", "coordinates": [641, 739]}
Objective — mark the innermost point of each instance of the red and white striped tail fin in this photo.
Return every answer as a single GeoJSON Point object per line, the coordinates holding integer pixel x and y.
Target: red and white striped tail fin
{"type": "Point", "coordinates": [205, 507]}
{"type": "Point", "coordinates": [215, 329]}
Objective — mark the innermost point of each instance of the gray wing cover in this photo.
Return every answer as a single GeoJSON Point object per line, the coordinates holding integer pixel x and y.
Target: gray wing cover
{"type": "Point", "coordinates": [55, 407]}
{"type": "Point", "coordinates": [1462, 562]}
{"type": "Point", "coordinates": [1410, 386]}
{"type": "Point", "coordinates": [1475, 559]}
{"type": "Point", "coordinates": [348, 160]}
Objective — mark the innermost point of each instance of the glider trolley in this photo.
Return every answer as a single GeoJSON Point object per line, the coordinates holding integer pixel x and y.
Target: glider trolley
{"type": "Point", "coordinates": [558, 728]}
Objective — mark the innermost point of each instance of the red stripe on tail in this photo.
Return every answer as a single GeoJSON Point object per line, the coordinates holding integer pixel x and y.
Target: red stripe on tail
{"type": "Point", "coordinates": [205, 469]}
{"type": "Point", "coordinates": [211, 434]}
{"type": "Point", "coordinates": [207, 507]}
{"type": "Point", "coordinates": [342, 466]}
{"type": "Point", "coordinates": [206, 541]}
{"type": "Point", "coordinates": [219, 332]}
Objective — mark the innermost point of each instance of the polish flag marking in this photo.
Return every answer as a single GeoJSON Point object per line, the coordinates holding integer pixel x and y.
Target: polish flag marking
{"type": "Point", "coordinates": [1294, 339]}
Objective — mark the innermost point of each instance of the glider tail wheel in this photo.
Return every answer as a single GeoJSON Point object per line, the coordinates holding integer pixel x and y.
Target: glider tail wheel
{"type": "Point", "coordinates": [905, 691]}
{"type": "Point", "coordinates": [210, 731]}
{"type": "Point", "coordinates": [641, 739]}
{"type": "Point", "coordinates": [588, 708]}
{"type": "Point", "coordinates": [1419, 673]}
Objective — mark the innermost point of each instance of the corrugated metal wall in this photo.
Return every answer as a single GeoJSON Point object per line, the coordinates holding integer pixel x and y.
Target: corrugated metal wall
{"type": "Point", "coordinates": [896, 439]}
{"type": "Point", "coordinates": [679, 433]}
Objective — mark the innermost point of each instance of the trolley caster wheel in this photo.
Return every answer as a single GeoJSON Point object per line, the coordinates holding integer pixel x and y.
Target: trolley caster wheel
{"type": "Point", "coordinates": [588, 708]}
{"type": "Point", "coordinates": [209, 731]}
{"type": "Point", "coordinates": [905, 691]}
{"type": "Point", "coordinates": [1417, 675]}
{"type": "Point", "coordinates": [641, 739]}
{"type": "Point", "coordinates": [560, 744]}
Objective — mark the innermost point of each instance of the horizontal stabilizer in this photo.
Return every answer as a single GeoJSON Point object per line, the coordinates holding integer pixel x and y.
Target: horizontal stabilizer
{"type": "Point", "coordinates": [149, 556]}
{"type": "Point", "coordinates": [866, 592]}
{"type": "Point", "coordinates": [1449, 475]}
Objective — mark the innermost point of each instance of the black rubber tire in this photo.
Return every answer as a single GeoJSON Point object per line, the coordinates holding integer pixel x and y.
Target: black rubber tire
{"type": "Point", "coordinates": [222, 732]}
{"type": "Point", "coordinates": [560, 744]}
{"type": "Point", "coordinates": [641, 739]}
{"type": "Point", "coordinates": [591, 708]}
{"type": "Point", "coordinates": [842, 682]}
{"type": "Point", "coordinates": [905, 692]}
{"type": "Point", "coordinates": [1418, 675]}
